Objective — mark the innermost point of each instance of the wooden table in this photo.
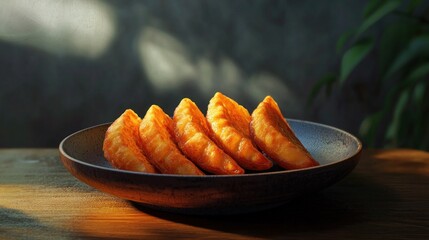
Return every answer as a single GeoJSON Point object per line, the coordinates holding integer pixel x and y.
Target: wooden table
{"type": "Point", "coordinates": [385, 197]}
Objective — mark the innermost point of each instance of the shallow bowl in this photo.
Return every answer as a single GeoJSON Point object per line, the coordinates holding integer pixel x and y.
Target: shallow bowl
{"type": "Point", "coordinates": [336, 150]}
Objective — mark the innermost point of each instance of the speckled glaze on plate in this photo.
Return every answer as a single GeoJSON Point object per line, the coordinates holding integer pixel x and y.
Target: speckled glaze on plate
{"type": "Point", "coordinates": [336, 150]}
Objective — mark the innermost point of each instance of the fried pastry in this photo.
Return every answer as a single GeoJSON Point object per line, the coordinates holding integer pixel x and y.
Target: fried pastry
{"type": "Point", "coordinates": [192, 135]}
{"type": "Point", "coordinates": [229, 124]}
{"type": "Point", "coordinates": [121, 144]}
{"type": "Point", "coordinates": [156, 129]}
{"type": "Point", "coordinates": [272, 133]}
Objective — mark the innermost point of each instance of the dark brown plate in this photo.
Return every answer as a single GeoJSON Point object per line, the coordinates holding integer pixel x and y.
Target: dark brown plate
{"type": "Point", "coordinates": [336, 150]}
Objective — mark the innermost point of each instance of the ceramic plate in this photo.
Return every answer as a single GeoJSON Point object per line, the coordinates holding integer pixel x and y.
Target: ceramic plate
{"type": "Point", "coordinates": [336, 150]}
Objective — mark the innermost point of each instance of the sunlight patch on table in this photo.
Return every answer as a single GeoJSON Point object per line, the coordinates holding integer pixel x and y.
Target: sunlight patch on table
{"type": "Point", "coordinates": [52, 201]}
{"type": "Point", "coordinates": [82, 28]}
{"type": "Point", "coordinates": [400, 161]}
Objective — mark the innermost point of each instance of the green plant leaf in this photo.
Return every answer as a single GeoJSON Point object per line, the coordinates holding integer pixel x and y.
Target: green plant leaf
{"type": "Point", "coordinates": [418, 116]}
{"type": "Point", "coordinates": [326, 81]}
{"type": "Point", "coordinates": [354, 56]}
{"type": "Point", "coordinates": [408, 117]}
{"type": "Point", "coordinates": [369, 127]}
{"type": "Point", "coordinates": [418, 46]}
{"type": "Point", "coordinates": [419, 93]}
{"type": "Point", "coordinates": [342, 40]}
{"type": "Point", "coordinates": [377, 14]}
{"type": "Point", "coordinates": [420, 72]}
{"type": "Point", "coordinates": [394, 126]}
{"type": "Point", "coordinates": [392, 41]}
{"type": "Point", "coordinates": [371, 6]}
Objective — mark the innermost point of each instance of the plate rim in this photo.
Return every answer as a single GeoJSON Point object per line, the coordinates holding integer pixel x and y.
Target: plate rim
{"type": "Point", "coordinates": [70, 158]}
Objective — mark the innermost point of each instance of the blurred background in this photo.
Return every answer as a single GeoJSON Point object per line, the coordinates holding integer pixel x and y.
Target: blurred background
{"type": "Point", "coordinates": [68, 65]}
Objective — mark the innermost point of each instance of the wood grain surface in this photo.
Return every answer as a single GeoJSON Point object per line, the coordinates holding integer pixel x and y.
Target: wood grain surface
{"type": "Point", "coordinates": [385, 197]}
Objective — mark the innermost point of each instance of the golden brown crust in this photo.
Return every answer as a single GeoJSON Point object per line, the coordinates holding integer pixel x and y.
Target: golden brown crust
{"type": "Point", "coordinates": [121, 144]}
{"type": "Point", "coordinates": [223, 143]}
{"type": "Point", "coordinates": [272, 133]}
{"type": "Point", "coordinates": [159, 145]}
{"type": "Point", "coordinates": [229, 124]}
{"type": "Point", "coordinates": [192, 135]}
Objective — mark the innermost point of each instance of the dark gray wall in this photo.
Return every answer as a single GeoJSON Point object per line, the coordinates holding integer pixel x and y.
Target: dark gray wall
{"type": "Point", "coordinates": [67, 65]}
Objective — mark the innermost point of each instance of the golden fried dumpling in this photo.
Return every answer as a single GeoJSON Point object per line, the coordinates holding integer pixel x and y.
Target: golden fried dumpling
{"type": "Point", "coordinates": [156, 129]}
{"type": "Point", "coordinates": [122, 142]}
{"type": "Point", "coordinates": [229, 123]}
{"type": "Point", "coordinates": [272, 133]}
{"type": "Point", "coordinates": [192, 135]}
